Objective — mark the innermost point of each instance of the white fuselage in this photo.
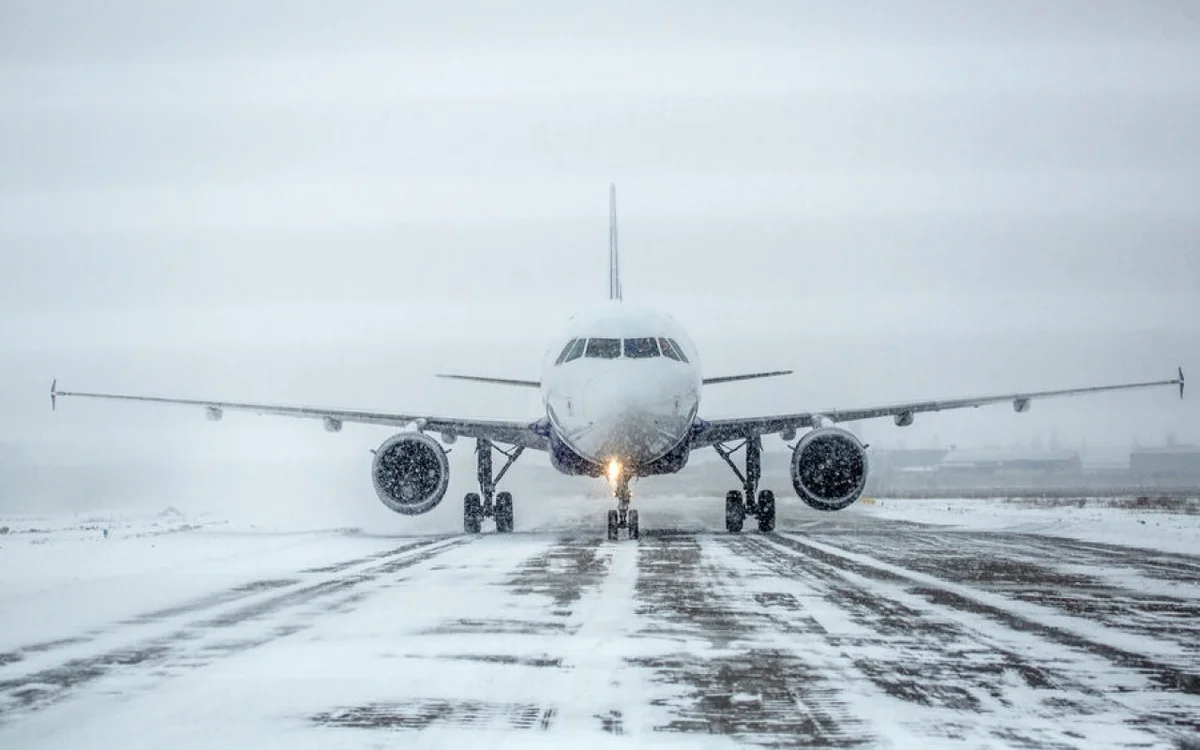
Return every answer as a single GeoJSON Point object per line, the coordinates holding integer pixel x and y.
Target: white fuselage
{"type": "Point", "coordinates": [628, 389]}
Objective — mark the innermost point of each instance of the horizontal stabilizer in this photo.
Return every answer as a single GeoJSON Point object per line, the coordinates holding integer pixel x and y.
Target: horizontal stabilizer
{"type": "Point", "coordinates": [495, 381]}
{"type": "Point", "coordinates": [747, 376]}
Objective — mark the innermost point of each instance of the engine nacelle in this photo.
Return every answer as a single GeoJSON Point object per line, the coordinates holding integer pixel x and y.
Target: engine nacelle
{"type": "Point", "coordinates": [410, 473]}
{"type": "Point", "coordinates": [829, 468]}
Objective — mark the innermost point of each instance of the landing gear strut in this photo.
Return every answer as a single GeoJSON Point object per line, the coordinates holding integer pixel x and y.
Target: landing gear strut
{"type": "Point", "coordinates": [623, 517]}
{"type": "Point", "coordinates": [487, 503]}
{"type": "Point", "coordinates": [737, 505]}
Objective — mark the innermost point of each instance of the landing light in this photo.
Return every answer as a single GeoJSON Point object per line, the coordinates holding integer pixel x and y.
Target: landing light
{"type": "Point", "coordinates": [614, 470]}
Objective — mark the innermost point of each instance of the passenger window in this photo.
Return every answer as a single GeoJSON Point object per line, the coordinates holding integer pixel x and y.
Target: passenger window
{"type": "Point", "coordinates": [604, 348]}
{"type": "Point", "coordinates": [678, 350]}
{"type": "Point", "coordinates": [668, 350]}
{"type": "Point", "coordinates": [641, 348]}
{"type": "Point", "coordinates": [576, 350]}
{"type": "Point", "coordinates": [566, 350]}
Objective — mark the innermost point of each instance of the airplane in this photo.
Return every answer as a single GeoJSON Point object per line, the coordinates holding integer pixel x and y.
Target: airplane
{"type": "Point", "coordinates": [621, 389]}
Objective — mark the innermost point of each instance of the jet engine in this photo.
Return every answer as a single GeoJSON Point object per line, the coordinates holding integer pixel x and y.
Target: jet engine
{"type": "Point", "coordinates": [410, 473]}
{"type": "Point", "coordinates": [829, 468]}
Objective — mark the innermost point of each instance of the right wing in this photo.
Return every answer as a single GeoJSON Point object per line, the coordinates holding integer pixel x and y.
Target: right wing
{"type": "Point", "coordinates": [494, 381]}
{"type": "Point", "coordinates": [738, 428]}
{"type": "Point", "coordinates": [513, 433]}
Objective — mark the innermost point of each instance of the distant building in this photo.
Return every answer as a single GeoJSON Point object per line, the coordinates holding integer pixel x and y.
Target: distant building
{"type": "Point", "coordinates": [905, 459]}
{"type": "Point", "coordinates": [1172, 463]}
{"type": "Point", "coordinates": [903, 468]}
{"type": "Point", "coordinates": [1011, 462]}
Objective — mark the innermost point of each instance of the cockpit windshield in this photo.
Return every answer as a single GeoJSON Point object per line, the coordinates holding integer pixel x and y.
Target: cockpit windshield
{"type": "Point", "coordinates": [604, 348]}
{"type": "Point", "coordinates": [670, 348]}
{"type": "Point", "coordinates": [641, 348]}
{"type": "Point", "coordinates": [576, 350]}
{"type": "Point", "coordinates": [566, 350]}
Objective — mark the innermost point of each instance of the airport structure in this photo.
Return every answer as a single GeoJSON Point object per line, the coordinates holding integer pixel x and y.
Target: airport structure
{"type": "Point", "coordinates": [942, 471]}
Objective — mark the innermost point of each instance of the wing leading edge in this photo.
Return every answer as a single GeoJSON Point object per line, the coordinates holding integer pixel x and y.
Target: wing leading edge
{"type": "Point", "coordinates": [722, 430]}
{"type": "Point", "coordinates": [745, 376]}
{"type": "Point", "coordinates": [512, 433]}
{"type": "Point", "coordinates": [536, 384]}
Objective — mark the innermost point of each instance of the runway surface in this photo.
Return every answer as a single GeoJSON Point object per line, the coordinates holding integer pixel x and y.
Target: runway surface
{"type": "Point", "coordinates": [841, 630]}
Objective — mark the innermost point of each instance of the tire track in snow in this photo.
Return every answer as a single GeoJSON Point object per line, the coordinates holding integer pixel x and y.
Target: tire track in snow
{"type": "Point", "coordinates": [742, 682]}
{"type": "Point", "coordinates": [1149, 655]}
{"type": "Point", "coordinates": [1024, 668]}
{"type": "Point", "coordinates": [552, 624]}
{"type": "Point", "coordinates": [195, 644]}
{"type": "Point", "coordinates": [192, 606]}
{"type": "Point", "coordinates": [1071, 577]}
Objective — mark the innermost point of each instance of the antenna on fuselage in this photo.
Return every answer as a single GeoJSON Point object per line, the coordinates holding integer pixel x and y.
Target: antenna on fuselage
{"type": "Point", "coordinates": [614, 269]}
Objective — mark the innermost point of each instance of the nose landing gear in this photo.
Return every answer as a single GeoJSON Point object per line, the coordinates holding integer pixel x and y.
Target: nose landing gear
{"type": "Point", "coordinates": [487, 503]}
{"type": "Point", "coordinates": [622, 517]}
{"type": "Point", "coordinates": [737, 505]}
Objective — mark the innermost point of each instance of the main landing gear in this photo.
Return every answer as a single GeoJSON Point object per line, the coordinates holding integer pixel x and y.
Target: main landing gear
{"type": "Point", "coordinates": [737, 505]}
{"type": "Point", "coordinates": [487, 503]}
{"type": "Point", "coordinates": [622, 517]}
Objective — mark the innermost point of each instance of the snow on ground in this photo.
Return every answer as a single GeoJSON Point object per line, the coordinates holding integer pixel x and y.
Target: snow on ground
{"type": "Point", "coordinates": [145, 562]}
{"type": "Point", "coordinates": [1093, 522]}
{"type": "Point", "coordinates": [861, 628]}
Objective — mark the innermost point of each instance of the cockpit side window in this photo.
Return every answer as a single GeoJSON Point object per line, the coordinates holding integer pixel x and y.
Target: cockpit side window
{"type": "Point", "coordinates": [576, 350]}
{"type": "Point", "coordinates": [566, 350]}
{"type": "Point", "coordinates": [678, 350]}
{"type": "Point", "coordinates": [641, 348]}
{"type": "Point", "coordinates": [669, 351]}
{"type": "Point", "coordinates": [604, 348]}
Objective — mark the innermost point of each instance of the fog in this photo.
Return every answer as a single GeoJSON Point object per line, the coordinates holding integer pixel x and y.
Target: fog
{"type": "Point", "coordinates": [326, 204]}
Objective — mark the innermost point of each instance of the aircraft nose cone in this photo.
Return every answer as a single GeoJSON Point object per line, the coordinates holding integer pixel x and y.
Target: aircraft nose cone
{"type": "Point", "coordinates": [637, 419]}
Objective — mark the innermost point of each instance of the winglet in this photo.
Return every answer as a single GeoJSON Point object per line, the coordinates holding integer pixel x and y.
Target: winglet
{"type": "Point", "coordinates": [614, 269]}
{"type": "Point", "coordinates": [1181, 381]}
{"type": "Point", "coordinates": [54, 395]}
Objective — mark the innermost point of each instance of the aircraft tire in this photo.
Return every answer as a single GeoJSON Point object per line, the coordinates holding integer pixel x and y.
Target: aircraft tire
{"type": "Point", "coordinates": [766, 511]}
{"type": "Point", "coordinates": [634, 531]}
{"type": "Point", "coordinates": [504, 512]}
{"type": "Point", "coordinates": [735, 512]}
{"type": "Point", "coordinates": [472, 513]}
{"type": "Point", "coordinates": [613, 528]}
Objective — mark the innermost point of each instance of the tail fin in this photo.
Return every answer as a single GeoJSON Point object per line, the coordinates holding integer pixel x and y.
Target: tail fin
{"type": "Point", "coordinates": [614, 268]}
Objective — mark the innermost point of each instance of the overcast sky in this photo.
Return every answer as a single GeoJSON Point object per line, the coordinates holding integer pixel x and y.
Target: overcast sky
{"type": "Point", "coordinates": [326, 203]}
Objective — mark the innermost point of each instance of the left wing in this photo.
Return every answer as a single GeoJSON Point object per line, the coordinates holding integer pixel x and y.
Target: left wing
{"type": "Point", "coordinates": [512, 433]}
{"type": "Point", "coordinates": [746, 376]}
{"type": "Point", "coordinates": [722, 430]}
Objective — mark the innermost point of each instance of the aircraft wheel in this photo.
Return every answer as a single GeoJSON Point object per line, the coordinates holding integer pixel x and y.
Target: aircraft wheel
{"type": "Point", "coordinates": [613, 528]}
{"type": "Point", "coordinates": [472, 513]}
{"type": "Point", "coordinates": [504, 512]}
{"type": "Point", "coordinates": [634, 532]}
{"type": "Point", "coordinates": [735, 511]}
{"type": "Point", "coordinates": [766, 511]}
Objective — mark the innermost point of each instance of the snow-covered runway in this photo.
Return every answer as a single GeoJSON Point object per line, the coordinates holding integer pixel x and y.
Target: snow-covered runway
{"type": "Point", "coordinates": [840, 630]}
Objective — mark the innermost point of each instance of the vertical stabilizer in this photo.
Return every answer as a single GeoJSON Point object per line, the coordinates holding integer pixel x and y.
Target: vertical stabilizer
{"type": "Point", "coordinates": [614, 268]}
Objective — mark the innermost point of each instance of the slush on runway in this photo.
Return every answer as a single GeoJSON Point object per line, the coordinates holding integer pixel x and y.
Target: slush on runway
{"type": "Point", "coordinates": [835, 631]}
